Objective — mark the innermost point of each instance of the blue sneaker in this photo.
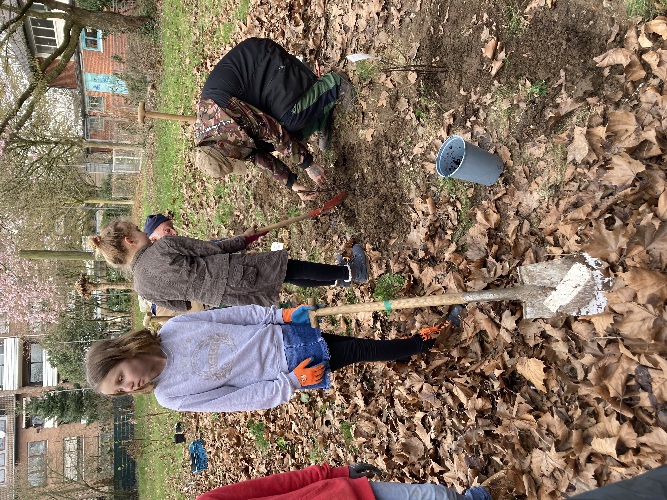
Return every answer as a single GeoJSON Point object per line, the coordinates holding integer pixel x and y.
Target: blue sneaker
{"type": "Point", "coordinates": [358, 266]}
{"type": "Point", "coordinates": [454, 316]}
{"type": "Point", "coordinates": [198, 459]}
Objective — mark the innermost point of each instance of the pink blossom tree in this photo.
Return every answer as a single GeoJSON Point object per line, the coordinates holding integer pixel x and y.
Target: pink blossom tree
{"type": "Point", "coordinates": [26, 295]}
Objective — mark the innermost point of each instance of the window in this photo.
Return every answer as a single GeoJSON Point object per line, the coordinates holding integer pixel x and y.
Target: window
{"type": "Point", "coordinates": [73, 450]}
{"type": "Point", "coordinates": [95, 123]}
{"type": "Point", "coordinates": [43, 33]}
{"type": "Point", "coordinates": [95, 103]}
{"type": "Point", "coordinates": [36, 364]}
{"type": "Point", "coordinates": [4, 326]}
{"type": "Point", "coordinates": [37, 463]}
{"type": "Point", "coordinates": [2, 362]}
{"type": "Point", "coordinates": [3, 451]}
{"type": "Point", "coordinates": [91, 39]}
{"type": "Point", "coordinates": [126, 161]}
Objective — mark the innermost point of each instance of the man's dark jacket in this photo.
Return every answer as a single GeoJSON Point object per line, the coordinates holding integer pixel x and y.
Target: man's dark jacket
{"type": "Point", "coordinates": [260, 72]}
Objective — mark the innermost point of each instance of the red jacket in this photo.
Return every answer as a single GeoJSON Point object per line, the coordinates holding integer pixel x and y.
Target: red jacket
{"type": "Point", "coordinates": [317, 482]}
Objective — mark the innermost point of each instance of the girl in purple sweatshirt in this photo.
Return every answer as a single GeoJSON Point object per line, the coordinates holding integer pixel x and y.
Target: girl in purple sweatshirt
{"type": "Point", "coordinates": [233, 359]}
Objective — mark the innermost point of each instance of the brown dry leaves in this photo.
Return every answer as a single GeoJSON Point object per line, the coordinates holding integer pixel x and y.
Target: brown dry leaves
{"type": "Point", "coordinates": [566, 403]}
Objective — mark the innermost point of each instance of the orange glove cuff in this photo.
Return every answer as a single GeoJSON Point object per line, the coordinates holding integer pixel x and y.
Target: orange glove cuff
{"type": "Point", "coordinates": [287, 314]}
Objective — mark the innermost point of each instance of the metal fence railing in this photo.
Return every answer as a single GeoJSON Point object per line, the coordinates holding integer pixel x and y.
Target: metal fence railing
{"type": "Point", "coordinates": [125, 479]}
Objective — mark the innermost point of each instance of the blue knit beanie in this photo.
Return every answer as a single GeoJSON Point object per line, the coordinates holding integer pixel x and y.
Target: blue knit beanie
{"type": "Point", "coordinates": [153, 221]}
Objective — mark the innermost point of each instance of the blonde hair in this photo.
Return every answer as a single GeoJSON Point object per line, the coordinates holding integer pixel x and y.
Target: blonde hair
{"type": "Point", "coordinates": [110, 243]}
{"type": "Point", "coordinates": [104, 355]}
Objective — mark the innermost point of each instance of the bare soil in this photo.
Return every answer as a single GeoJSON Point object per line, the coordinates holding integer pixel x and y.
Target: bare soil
{"type": "Point", "coordinates": [462, 413]}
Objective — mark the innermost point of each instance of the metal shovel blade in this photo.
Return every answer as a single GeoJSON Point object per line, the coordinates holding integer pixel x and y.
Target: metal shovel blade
{"type": "Point", "coordinates": [571, 285]}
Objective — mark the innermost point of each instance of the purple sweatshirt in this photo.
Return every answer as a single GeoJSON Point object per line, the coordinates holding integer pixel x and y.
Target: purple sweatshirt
{"type": "Point", "coordinates": [230, 359]}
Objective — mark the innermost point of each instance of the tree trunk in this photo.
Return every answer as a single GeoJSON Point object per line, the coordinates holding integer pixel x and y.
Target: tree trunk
{"type": "Point", "coordinates": [34, 390]}
{"type": "Point", "coordinates": [112, 145]}
{"type": "Point", "coordinates": [110, 286]}
{"type": "Point", "coordinates": [101, 20]}
{"type": "Point", "coordinates": [17, 141]}
{"type": "Point", "coordinates": [57, 255]}
{"type": "Point", "coordinates": [109, 202]}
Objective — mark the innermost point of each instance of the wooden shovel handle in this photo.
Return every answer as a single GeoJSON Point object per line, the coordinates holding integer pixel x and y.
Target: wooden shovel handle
{"type": "Point", "coordinates": [149, 318]}
{"type": "Point", "coordinates": [329, 205]}
{"type": "Point", "coordinates": [282, 223]}
{"type": "Point", "coordinates": [446, 299]}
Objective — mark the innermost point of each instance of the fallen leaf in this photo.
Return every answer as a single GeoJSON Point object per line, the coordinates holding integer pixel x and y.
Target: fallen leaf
{"type": "Point", "coordinates": [657, 60]}
{"type": "Point", "coordinates": [606, 446]}
{"type": "Point", "coordinates": [651, 286]}
{"type": "Point", "coordinates": [658, 26]}
{"type": "Point", "coordinates": [490, 48]}
{"type": "Point", "coordinates": [532, 369]}
{"type": "Point", "coordinates": [578, 149]}
{"type": "Point", "coordinates": [613, 56]}
{"type": "Point", "coordinates": [622, 170]}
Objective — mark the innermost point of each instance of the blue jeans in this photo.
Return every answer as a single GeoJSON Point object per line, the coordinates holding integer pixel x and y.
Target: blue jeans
{"type": "Point", "coordinates": [427, 491]}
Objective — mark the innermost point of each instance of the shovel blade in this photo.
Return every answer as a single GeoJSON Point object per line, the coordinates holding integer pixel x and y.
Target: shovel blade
{"type": "Point", "coordinates": [572, 285]}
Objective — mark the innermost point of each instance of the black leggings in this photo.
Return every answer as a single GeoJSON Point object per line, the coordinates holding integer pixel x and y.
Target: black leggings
{"type": "Point", "coordinates": [311, 274]}
{"type": "Point", "coordinates": [345, 351]}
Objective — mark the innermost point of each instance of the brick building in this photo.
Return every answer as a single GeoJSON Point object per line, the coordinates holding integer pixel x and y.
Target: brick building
{"type": "Point", "coordinates": [97, 71]}
{"type": "Point", "coordinates": [107, 114]}
{"type": "Point", "coordinates": [36, 454]}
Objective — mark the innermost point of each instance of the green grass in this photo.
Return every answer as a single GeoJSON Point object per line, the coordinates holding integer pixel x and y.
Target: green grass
{"type": "Point", "coordinates": [515, 23]}
{"type": "Point", "coordinates": [459, 190]}
{"type": "Point", "coordinates": [179, 84]}
{"type": "Point", "coordinates": [316, 455]}
{"type": "Point", "coordinates": [160, 459]}
{"type": "Point", "coordinates": [219, 34]}
{"type": "Point", "coordinates": [645, 8]}
{"type": "Point", "coordinates": [286, 445]}
{"type": "Point", "coordinates": [257, 432]}
{"type": "Point", "coordinates": [302, 294]}
{"type": "Point", "coordinates": [366, 70]}
{"type": "Point", "coordinates": [176, 89]}
{"type": "Point", "coordinates": [537, 89]}
{"type": "Point", "coordinates": [388, 286]}
{"type": "Point", "coordinates": [346, 430]}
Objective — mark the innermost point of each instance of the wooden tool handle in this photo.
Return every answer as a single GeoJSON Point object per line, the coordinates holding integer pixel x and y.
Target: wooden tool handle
{"type": "Point", "coordinates": [446, 299]}
{"type": "Point", "coordinates": [142, 114]}
{"type": "Point", "coordinates": [282, 223]}
{"type": "Point", "coordinates": [149, 318]}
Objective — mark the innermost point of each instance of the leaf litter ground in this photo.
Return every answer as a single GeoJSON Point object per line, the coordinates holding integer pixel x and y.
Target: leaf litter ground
{"type": "Point", "coordinates": [571, 96]}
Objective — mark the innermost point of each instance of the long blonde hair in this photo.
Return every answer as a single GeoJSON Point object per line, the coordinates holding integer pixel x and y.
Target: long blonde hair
{"type": "Point", "coordinates": [111, 241]}
{"type": "Point", "coordinates": [104, 355]}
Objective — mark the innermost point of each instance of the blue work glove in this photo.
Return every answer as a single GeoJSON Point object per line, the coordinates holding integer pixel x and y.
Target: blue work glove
{"type": "Point", "coordinates": [297, 315]}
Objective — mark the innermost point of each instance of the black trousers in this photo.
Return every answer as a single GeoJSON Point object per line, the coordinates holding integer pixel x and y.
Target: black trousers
{"type": "Point", "coordinates": [345, 351]}
{"type": "Point", "coordinates": [311, 274]}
